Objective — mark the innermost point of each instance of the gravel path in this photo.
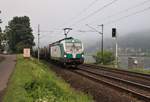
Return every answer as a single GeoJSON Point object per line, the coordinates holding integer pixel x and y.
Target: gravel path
{"type": "Point", "coordinates": [6, 68]}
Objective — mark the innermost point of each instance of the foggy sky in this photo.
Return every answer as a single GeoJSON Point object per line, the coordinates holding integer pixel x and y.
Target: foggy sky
{"type": "Point", "coordinates": [54, 15]}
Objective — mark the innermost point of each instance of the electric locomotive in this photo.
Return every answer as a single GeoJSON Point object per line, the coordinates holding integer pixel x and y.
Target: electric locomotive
{"type": "Point", "coordinates": [68, 51]}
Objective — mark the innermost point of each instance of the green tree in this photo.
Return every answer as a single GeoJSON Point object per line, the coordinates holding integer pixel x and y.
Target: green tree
{"type": "Point", "coordinates": [2, 39]}
{"type": "Point", "coordinates": [19, 34]}
{"type": "Point", "coordinates": [108, 57]}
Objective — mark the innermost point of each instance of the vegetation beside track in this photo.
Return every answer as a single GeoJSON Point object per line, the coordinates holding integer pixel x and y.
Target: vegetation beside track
{"type": "Point", "coordinates": [140, 70]}
{"type": "Point", "coordinates": [107, 59]}
{"type": "Point", "coordinates": [137, 70]}
{"type": "Point", "coordinates": [32, 81]}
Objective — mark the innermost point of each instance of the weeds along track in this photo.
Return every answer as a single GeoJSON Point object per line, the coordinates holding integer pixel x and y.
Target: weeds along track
{"type": "Point", "coordinates": [136, 89]}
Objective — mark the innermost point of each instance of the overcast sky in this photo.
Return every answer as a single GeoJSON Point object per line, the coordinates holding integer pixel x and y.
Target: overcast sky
{"type": "Point", "coordinates": [54, 15]}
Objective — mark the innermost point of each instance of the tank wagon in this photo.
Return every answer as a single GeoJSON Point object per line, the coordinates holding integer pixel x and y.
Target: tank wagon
{"type": "Point", "coordinates": [68, 51]}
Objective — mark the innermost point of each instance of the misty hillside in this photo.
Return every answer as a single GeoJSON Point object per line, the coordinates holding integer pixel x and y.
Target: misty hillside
{"type": "Point", "coordinates": [137, 40]}
{"type": "Point", "coordinates": [134, 40]}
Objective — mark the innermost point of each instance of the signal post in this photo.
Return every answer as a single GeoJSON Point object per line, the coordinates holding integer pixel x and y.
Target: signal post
{"type": "Point", "coordinates": [114, 35]}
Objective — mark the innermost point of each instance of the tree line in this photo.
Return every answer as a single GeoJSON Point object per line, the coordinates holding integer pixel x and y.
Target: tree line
{"type": "Point", "coordinates": [18, 35]}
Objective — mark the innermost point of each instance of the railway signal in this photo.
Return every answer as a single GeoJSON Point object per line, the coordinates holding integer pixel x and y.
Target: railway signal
{"type": "Point", "coordinates": [113, 32]}
{"type": "Point", "coordinates": [114, 35]}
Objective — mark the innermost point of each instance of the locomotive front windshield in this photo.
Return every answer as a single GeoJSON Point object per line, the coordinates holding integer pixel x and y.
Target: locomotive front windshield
{"type": "Point", "coordinates": [73, 46]}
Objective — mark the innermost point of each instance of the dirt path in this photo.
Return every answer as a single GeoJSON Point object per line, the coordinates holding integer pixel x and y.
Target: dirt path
{"type": "Point", "coordinates": [1, 59]}
{"type": "Point", "coordinates": [6, 68]}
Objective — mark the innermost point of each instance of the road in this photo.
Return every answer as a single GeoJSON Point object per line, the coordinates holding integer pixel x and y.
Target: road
{"type": "Point", "coordinates": [6, 68]}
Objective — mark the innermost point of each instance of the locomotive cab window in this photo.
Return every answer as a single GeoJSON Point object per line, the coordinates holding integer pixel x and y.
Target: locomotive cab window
{"type": "Point", "coordinates": [72, 46]}
{"type": "Point", "coordinates": [78, 45]}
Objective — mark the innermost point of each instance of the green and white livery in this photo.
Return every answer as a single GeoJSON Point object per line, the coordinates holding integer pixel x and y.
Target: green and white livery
{"type": "Point", "coordinates": [68, 51]}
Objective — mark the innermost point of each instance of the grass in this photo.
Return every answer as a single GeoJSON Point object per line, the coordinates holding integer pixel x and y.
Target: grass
{"type": "Point", "coordinates": [109, 66]}
{"type": "Point", "coordinates": [34, 82]}
{"type": "Point", "coordinates": [140, 70]}
{"type": "Point", "coordinates": [137, 70]}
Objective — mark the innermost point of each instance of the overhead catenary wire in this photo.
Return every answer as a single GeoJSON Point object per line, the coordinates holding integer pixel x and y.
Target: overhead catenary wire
{"type": "Point", "coordinates": [82, 12]}
{"type": "Point", "coordinates": [121, 18]}
{"type": "Point", "coordinates": [85, 9]}
{"type": "Point", "coordinates": [125, 10]}
{"type": "Point", "coordinates": [120, 12]}
{"type": "Point", "coordinates": [95, 12]}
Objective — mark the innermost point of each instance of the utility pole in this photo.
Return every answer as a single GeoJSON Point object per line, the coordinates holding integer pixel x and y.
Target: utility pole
{"type": "Point", "coordinates": [0, 19]}
{"type": "Point", "coordinates": [102, 46]}
{"type": "Point", "coordinates": [66, 31]}
{"type": "Point", "coordinates": [102, 42]}
{"type": "Point", "coordinates": [38, 42]}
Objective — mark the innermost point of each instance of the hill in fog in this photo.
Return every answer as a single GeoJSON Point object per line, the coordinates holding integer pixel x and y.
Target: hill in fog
{"type": "Point", "coordinates": [132, 40]}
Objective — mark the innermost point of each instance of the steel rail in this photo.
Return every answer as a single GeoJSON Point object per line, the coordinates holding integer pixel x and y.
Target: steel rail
{"type": "Point", "coordinates": [125, 72]}
{"type": "Point", "coordinates": [93, 78]}
{"type": "Point", "coordinates": [145, 87]}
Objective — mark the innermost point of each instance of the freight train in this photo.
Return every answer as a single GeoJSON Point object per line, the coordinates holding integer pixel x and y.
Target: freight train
{"type": "Point", "coordinates": [67, 51]}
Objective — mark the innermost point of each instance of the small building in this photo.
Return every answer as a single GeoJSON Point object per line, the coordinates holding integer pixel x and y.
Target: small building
{"type": "Point", "coordinates": [135, 62]}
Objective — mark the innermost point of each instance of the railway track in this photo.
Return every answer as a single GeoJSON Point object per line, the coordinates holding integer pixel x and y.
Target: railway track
{"type": "Point", "coordinates": [132, 76]}
{"type": "Point", "coordinates": [119, 71]}
{"type": "Point", "coordinates": [139, 90]}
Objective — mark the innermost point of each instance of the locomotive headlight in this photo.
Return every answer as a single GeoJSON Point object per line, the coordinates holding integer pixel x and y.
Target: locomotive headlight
{"type": "Point", "coordinates": [82, 55]}
{"type": "Point", "coordinates": [65, 56]}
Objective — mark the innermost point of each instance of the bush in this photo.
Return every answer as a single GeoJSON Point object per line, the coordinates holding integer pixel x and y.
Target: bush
{"type": "Point", "coordinates": [108, 57]}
